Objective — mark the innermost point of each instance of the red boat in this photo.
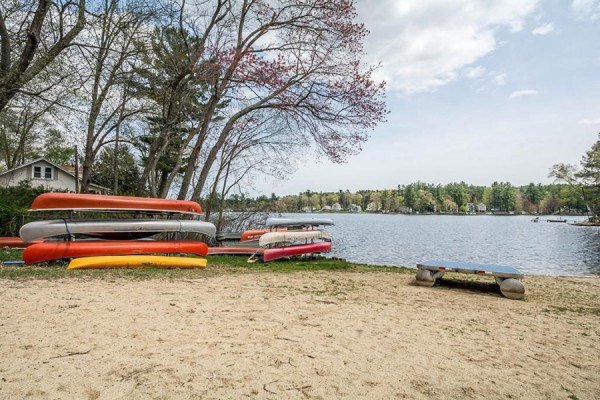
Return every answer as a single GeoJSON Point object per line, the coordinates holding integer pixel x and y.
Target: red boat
{"type": "Point", "coordinates": [46, 251]}
{"type": "Point", "coordinates": [288, 251]}
{"type": "Point", "coordinates": [97, 202]}
{"type": "Point", "coordinates": [15, 242]}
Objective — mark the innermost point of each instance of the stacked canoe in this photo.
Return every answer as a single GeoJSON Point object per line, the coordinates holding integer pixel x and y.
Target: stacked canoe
{"type": "Point", "coordinates": [112, 243]}
{"type": "Point", "coordinates": [281, 238]}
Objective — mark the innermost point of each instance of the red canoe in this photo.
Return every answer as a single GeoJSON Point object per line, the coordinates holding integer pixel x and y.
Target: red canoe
{"type": "Point", "coordinates": [56, 250]}
{"type": "Point", "coordinates": [281, 252]}
{"type": "Point", "coordinates": [15, 242]}
{"type": "Point", "coordinates": [97, 202]}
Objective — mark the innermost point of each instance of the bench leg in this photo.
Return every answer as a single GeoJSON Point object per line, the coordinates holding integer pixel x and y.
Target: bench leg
{"type": "Point", "coordinates": [511, 288]}
{"type": "Point", "coordinates": [427, 278]}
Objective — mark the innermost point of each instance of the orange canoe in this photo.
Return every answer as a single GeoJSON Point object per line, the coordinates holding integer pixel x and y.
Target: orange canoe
{"type": "Point", "coordinates": [46, 251]}
{"type": "Point", "coordinates": [15, 242]}
{"type": "Point", "coordinates": [97, 202]}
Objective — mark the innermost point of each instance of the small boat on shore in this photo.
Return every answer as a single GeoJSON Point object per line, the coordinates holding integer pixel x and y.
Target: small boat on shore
{"type": "Point", "coordinates": [114, 229]}
{"type": "Point", "coordinates": [15, 242]}
{"type": "Point", "coordinates": [298, 222]}
{"type": "Point", "coordinates": [47, 251]}
{"type": "Point", "coordinates": [282, 237]}
{"type": "Point", "coordinates": [97, 202]}
{"type": "Point", "coordinates": [297, 250]}
{"type": "Point", "coordinates": [270, 238]}
{"type": "Point", "coordinates": [136, 262]}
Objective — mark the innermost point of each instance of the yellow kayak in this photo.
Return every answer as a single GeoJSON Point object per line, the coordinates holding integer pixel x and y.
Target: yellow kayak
{"type": "Point", "coordinates": [136, 261]}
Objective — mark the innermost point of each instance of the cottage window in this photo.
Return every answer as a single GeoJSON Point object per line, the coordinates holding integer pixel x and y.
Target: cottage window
{"type": "Point", "coordinates": [43, 172]}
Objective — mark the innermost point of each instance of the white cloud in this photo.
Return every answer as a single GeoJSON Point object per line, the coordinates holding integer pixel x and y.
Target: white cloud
{"type": "Point", "coordinates": [474, 72]}
{"type": "Point", "coordinates": [499, 79]}
{"type": "Point", "coordinates": [426, 44]}
{"type": "Point", "coordinates": [593, 121]}
{"type": "Point", "coordinates": [521, 93]}
{"type": "Point", "coordinates": [586, 9]}
{"type": "Point", "coordinates": [544, 29]}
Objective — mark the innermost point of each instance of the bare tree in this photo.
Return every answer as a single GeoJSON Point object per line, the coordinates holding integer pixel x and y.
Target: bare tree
{"type": "Point", "coordinates": [173, 82]}
{"type": "Point", "coordinates": [110, 55]}
{"type": "Point", "coordinates": [299, 57]}
{"type": "Point", "coordinates": [32, 35]}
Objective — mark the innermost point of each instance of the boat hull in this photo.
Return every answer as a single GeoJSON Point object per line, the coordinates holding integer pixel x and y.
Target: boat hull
{"type": "Point", "coordinates": [291, 236]}
{"type": "Point", "coordinates": [14, 242]}
{"type": "Point", "coordinates": [136, 262]}
{"type": "Point", "coordinates": [96, 202]}
{"type": "Point", "coordinates": [289, 251]}
{"type": "Point", "coordinates": [304, 222]}
{"type": "Point", "coordinates": [58, 227]}
{"type": "Point", "coordinates": [47, 251]}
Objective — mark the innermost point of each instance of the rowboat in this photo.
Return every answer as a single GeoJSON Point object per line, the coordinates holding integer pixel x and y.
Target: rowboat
{"type": "Point", "coordinates": [43, 229]}
{"type": "Point", "coordinates": [136, 262]}
{"type": "Point", "coordinates": [291, 236]}
{"type": "Point", "coordinates": [298, 222]}
{"type": "Point", "coordinates": [46, 251]}
{"type": "Point", "coordinates": [96, 202]}
{"type": "Point", "coordinates": [302, 249]}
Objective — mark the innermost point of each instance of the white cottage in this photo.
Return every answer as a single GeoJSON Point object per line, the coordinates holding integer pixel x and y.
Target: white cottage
{"type": "Point", "coordinates": [42, 172]}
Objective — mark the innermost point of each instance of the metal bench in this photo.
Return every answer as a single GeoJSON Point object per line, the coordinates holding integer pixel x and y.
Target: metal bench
{"type": "Point", "coordinates": [507, 277]}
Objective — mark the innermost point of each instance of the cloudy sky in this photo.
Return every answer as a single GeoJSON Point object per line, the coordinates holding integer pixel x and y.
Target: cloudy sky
{"type": "Point", "coordinates": [478, 91]}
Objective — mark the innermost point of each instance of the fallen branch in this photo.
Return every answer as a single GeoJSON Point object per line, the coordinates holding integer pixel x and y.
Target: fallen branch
{"type": "Point", "coordinates": [267, 390]}
{"type": "Point", "coordinates": [284, 338]}
{"type": "Point", "coordinates": [72, 353]}
{"type": "Point", "coordinates": [299, 387]}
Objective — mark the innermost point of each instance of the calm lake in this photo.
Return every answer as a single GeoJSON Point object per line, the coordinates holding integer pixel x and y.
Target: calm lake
{"type": "Point", "coordinates": [535, 248]}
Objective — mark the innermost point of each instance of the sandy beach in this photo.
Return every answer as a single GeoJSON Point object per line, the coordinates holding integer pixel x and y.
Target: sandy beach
{"type": "Point", "coordinates": [318, 335]}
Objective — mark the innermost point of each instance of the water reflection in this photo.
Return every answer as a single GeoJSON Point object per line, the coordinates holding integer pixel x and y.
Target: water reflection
{"type": "Point", "coordinates": [535, 248]}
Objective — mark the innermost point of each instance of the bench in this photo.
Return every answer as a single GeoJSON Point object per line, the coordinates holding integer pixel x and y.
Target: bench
{"type": "Point", "coordinates": [507, 277]}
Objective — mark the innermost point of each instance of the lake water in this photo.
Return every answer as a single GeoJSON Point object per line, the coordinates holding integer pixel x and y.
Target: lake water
{"type": "Point", "coordinates": [534, 248]}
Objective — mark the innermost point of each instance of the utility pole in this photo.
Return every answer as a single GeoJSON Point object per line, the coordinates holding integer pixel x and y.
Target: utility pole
{"type": "Point", "coordinates": [76, 170]}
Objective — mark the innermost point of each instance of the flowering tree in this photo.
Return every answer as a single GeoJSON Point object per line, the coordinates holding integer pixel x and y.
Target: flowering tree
{"type": "Point", "coordinates": [298, 57]}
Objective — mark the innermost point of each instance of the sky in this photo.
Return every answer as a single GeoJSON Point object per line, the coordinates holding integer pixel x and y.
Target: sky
{"type": "Point", "coordinates": [478, 91]}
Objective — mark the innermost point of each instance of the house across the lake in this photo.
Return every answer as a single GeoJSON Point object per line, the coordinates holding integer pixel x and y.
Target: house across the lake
{"type": "Point", "coordinates": [41, 172]}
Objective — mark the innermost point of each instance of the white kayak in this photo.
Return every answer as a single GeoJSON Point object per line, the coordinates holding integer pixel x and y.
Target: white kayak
{"type": "Point", "coordinates": [291, 236]}
{"type": "Point", "coordinates": [304, 222]}
{"type": "Point", "coordinates": [58, 227]}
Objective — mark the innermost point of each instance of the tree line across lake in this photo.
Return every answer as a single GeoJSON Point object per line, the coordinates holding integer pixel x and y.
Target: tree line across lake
{"type": "Point", "coordinates": [424, 198]}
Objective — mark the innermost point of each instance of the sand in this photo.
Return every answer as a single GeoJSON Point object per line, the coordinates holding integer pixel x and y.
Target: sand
{"type": "Point", "coordinates": [318, 335]}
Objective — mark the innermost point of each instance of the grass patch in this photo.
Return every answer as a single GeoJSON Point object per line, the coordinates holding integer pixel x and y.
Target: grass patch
{"type": "Point", "coordinates": [576, 310]}
{"type": "Point", "coordinates": [10, 254]}
{"type": "Point", "coordinates": [570, 393]}
{"type": "Point", "coordinates": [217, 265]}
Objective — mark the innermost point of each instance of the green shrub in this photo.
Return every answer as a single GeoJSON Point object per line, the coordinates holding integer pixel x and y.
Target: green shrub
{"type": "Point", "coordinates": [14, 203]}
